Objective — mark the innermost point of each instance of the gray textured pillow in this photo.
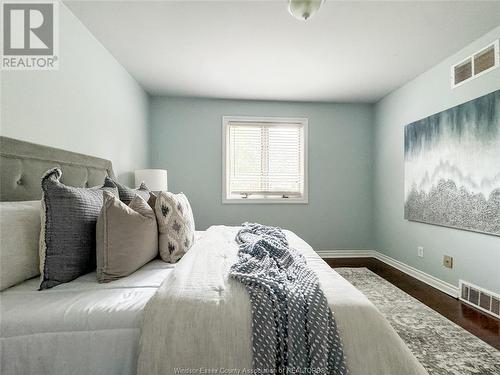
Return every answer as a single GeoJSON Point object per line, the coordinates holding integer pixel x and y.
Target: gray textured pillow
{"type": "Point", "coordinates": [127, 194]}
{"type": "Point", "coordinates": [127, 237]}
{"type": "Point", "coordinates": [20, 227]}
{"type": "Point", "coordinates": [175, 225]}
{"type": "Point", "coordinates": [67, 239]}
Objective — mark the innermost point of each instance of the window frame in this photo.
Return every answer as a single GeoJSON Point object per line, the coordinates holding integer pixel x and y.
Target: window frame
{"type": "Point", "coordinates": [226, 120]}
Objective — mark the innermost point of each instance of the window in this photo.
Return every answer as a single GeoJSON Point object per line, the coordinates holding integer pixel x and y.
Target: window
{"type": "Point", "coordinates": [476, 65]}
{"type": "Point", "coordinates": [265, 160]}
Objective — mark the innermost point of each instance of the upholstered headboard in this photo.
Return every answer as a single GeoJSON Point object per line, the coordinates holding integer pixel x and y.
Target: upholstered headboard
{"type": "Point", "coordinates": [22, 165]}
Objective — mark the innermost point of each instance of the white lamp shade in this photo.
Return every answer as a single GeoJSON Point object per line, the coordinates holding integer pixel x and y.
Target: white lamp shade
{"type": "Point", "coordinates": [155, 179]}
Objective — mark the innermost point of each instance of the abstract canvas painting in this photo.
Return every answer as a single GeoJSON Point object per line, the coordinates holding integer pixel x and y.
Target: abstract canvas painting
{"type": "Point", "coordinates": [452, 167]}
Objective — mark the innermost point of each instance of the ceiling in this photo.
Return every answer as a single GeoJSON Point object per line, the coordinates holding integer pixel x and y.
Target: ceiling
{"type": "Point", "coordinates": [348, 52]}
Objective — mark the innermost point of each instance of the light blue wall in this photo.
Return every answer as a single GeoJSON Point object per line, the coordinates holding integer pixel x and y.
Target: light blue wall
{"type": "Point", "coordinates": [93, 106]}
{"type": "Point", "coordinates": [90, 105]}
{"type": "Point", "coordinates": [187, 139]}
{"type": "Point", "coordinates": [476, 256]}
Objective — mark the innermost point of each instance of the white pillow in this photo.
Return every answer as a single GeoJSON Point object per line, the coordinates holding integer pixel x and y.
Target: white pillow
{"type": "Point", "coordinates": [19, 235]}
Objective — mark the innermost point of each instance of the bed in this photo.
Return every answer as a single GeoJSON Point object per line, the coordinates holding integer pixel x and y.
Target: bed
{"type": "Point", "coordinates": [81, 327]}
{"type": "Point", "coordinates": [190, 316]}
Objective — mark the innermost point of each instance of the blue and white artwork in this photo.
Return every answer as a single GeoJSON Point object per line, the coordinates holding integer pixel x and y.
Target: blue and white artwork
{"type": "Point", "coordinates": [452, 167]}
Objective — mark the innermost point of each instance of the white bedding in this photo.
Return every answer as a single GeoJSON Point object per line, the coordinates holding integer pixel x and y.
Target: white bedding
{"type": "Point", "coordinates": [81, 327]}
{"type": "Point", "coordinates": [200, 319]}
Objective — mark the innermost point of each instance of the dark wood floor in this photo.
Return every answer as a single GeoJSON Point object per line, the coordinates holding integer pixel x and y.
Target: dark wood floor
{"type": "Point", "coordinates": [476, 322]}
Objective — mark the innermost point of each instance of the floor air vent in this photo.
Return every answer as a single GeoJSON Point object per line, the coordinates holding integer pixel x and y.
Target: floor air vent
{"type": "Point", "coordinates": [480, 298]}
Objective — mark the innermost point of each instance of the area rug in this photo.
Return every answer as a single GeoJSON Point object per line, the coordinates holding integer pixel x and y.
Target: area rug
{"type": "Point", "coordinates": [440, 345]}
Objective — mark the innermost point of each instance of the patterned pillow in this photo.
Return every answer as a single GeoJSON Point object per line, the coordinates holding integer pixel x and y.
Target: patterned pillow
{"type": "Point", "coordinates": [175, 225]}
{"type": "Point", "coordinates": [127, 194]}
{"type": "Point", "coordinates": [68, 235]}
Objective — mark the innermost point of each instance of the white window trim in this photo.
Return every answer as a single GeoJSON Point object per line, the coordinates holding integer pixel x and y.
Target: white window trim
{"type": "Point", "coordinates": [226, 120]}
{"type": "Point", "coordinates": [473, 76]}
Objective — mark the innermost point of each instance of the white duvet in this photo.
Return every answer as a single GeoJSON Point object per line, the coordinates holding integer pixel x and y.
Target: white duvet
{"type": "Point", "coordinates": [78, 328]}
{"type": "Point", "coordinates": [199, 321]}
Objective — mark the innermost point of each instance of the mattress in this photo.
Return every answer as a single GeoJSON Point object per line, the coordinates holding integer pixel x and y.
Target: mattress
{"type": "Point", "coordinates": [81, 327]}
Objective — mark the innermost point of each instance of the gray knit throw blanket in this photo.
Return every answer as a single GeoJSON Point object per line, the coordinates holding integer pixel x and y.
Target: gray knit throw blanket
{"type": "Point", "coordinates": [293, 328]}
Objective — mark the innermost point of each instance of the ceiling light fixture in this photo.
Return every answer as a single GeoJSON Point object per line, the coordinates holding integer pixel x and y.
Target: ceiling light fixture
{"type": "Point", "coordinates": [304, 9]}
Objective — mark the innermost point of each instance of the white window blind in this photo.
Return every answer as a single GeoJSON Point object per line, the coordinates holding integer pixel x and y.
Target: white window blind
{"type": "Point", "coordinates": [265, 159]}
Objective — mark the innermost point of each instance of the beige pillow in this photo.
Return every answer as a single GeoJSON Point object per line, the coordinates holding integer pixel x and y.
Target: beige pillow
{"type": "Point", "coordinates": [175, 225]}
{"type": "Point", "coordinates": [126, 237]}
{"type": "Point", "coordinates": [19, 234]}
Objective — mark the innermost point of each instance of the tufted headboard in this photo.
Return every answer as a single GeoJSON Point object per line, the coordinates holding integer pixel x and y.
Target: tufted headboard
{"type": "Point", "coordinates": [22, 165]}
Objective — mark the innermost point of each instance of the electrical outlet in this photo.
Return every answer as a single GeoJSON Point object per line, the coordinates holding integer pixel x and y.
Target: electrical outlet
{"type": "Point", "coordinates": [420, 251]}
{"type": "Point", "coordinates": [448, 261]}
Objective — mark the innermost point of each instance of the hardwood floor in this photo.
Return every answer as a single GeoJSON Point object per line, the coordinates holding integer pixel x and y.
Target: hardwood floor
{"type": "Point", "coordinates": [485, 327]}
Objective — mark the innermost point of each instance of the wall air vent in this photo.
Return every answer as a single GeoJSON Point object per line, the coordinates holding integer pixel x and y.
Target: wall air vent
{"type": "Point", "coordinates": [480, 298]}
{"type": "Point", "coordinates": [475, 65]}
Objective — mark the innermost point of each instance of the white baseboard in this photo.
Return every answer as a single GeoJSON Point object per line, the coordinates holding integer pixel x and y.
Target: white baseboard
{"type": "Point", "coordinates": [346, 253]}
{"type": "Point", "coordinates": [433, 281]}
